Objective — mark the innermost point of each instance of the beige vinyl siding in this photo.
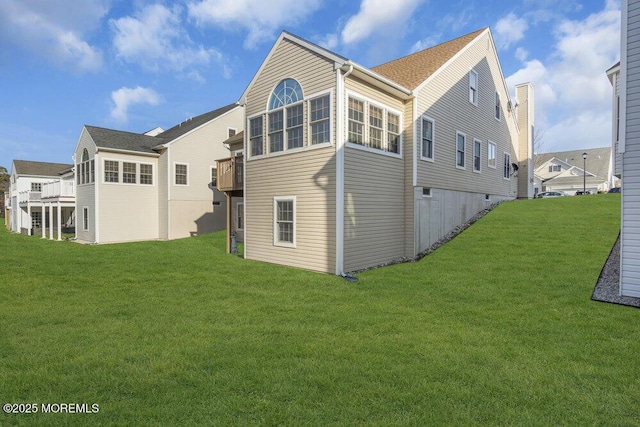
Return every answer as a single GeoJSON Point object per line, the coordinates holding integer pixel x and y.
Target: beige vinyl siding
{"type": "Point", "coordinates": [374, 209]}
{"type": "Point", "coordinates": [191, 206]}
{"type": "Point", "coordinates": [365, 89]}
{"type": "Point", "coordinates": [310, 177]}
{"type": "Point", "coordinates": [290, 60]}
{"type": "Point", "coordinates": [86, 193]}
{"type": "Point", "coordinates": [127, 212]}
{"type": "Point", "coordinates": [446, 99]}
{"type": "Point", "coordinates": [307, 174]}
{"type": "Point", "coordinates": [630, 240]}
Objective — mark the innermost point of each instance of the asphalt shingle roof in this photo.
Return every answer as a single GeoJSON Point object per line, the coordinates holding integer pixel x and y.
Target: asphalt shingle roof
{"type": "Point", "coordinates": [27, 167]}
{"type": "Point", "coordinates": [189, 125]}
{"type": "Point", "coordinates": [121, 140]}
{"type": "Point", "coordinates": [598, 159]}
{"type": "Point", "coordinates": [411, 70]}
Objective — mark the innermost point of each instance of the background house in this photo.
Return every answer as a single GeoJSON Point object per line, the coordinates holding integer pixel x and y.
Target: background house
{"type": "Point", "coordinates": [348, 167]}
{"type": "Point", "coordinates": [41, 196]}
{"type": "Point", "coordinates": [155, 185]}
{"type": "Point", "coordinates": [566, 171]}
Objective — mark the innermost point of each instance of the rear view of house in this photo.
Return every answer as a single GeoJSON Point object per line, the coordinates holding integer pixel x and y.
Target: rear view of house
{"type": "Point", "coordinates": [348, 167]}
{"type": "Point", "coordinates": [156, 185]}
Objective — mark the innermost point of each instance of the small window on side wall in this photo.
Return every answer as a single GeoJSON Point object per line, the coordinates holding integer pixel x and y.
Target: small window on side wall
{"type": "Point", "coordinates": [473, 87]}
{"type": "Point", "coordinates": [284, 221]}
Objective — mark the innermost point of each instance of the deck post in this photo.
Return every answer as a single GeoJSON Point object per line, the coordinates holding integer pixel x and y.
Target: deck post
{"type": "Point", "coordinates": [229, 212]}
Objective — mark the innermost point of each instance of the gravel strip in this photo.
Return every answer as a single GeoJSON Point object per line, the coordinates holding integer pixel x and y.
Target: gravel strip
{"type": "Point", "coordinates": [608, 285]}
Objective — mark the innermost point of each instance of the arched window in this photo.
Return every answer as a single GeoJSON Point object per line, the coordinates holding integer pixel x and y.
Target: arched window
{"type": "Point", "coordinates": [287, 92]}
{"type": "Point", "coordinates": [286, 116]}
{"type": "Point", "coordinates": [85, 172]}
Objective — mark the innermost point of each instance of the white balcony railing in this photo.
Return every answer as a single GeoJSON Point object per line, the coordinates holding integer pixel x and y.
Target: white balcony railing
{"type": "Point", "coordinates": [29, 196]}
{"type": "Point", "coordinates": [58, 189]}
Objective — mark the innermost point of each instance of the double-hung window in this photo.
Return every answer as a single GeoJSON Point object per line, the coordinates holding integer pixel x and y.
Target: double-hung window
{"type": "Point", "coordinates": [319, 112]}
{"type": "Point", "coordinates": [255, 136]}
{"type": "Point", "coordinates": [460, 147]}
{"type": "Point", "coordinates": [507, 166]}
{"type": "Point", "coordinates": [146, 174]}
{"type": "Point", "coordinates": [427, 132]}
{"type": "Point", "coordinates": [356, 121]}
{"type": "Point", "coordinates": [276, 131]}
{"type": "Point", "coordinates": [376, 124]}
{"type": "Point", "coordinates": [491, 154]}
{"type": "Point", "coordinates": [477, 148]}
{"type": "Point", "coordinates": [372, 125]}
{"type": "Point", "coordinates": [295, 128]}
{"type": "Point", "coordinates": [111, 171]}
{"type": "Point", "coordinates": [181, 174]}
{"type": "Point", "coordinates": [129, 172]}
{"type": "Point", "coordinates": [473, 87]}
{"type": "Point", "coordinates": [393, 132]}
{"type": "Point", "coordinates": [284, 214]}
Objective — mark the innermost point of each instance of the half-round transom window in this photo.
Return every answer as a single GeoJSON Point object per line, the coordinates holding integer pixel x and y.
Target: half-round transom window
{"type": "Point", "coordinates": [287, 92]}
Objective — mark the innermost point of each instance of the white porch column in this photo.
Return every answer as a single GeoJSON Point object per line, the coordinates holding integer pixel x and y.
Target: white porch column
{"type": "Point", "coordinates": [59, 221]}
{"type": "Point", "coordinates": [44, 213]}
{"type": "Point", "coordinates": [30, 225]}
{"type": "Point", "coordinates": [50, 221]}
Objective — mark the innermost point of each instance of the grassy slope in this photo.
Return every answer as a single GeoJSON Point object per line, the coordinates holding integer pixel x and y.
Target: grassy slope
{"type": "Point", "coordinates": [496, 327]}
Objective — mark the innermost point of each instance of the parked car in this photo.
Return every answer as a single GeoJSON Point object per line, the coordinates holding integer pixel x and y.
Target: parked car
{"type": "Point", "coordinates": [548, 194]}
{"type": "Point", "coordinates": [614, 190]}
{"type": "Point", "coordinates": [581, 193]}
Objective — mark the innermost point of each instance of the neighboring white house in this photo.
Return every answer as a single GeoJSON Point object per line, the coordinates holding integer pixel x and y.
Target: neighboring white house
{"type": "Point", "coordinates": [156, 185]}
{"type": "Point", "coordinates": [569, 171]}
{"type": "Point", "coordinates": [629, 148]}
{"type": "Point", "coordinates": [41, 197]}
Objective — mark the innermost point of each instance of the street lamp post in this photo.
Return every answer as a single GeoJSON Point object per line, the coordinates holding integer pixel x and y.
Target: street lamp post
{"type": "Point", "coordinates": [584, 173]}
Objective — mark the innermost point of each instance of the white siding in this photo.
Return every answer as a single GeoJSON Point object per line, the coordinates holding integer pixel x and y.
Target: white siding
{"type": "Point", "coordinates": [630, 243]}
{"type": "Point", "coordinates": [86, 193]}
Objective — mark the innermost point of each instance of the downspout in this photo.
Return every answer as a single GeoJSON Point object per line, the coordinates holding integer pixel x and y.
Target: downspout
{"type": "Point", "coordinates": [340, 79]}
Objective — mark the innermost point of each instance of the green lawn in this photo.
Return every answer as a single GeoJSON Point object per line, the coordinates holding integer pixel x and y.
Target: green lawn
{"type": "Point", "coordinates": [495, 328]}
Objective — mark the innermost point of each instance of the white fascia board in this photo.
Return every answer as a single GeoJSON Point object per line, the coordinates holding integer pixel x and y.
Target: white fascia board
{"type": "Point", "coordinates": [379, 81]}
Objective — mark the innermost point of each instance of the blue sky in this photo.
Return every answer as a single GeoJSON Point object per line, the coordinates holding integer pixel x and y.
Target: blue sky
{"type": "Point", "coordinates": [134, 65]}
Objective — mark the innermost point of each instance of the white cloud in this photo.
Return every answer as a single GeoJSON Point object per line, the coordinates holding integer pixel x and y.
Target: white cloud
{"type": "Point", "coordinates": [125, 97]}
{"type": "Point", "coordinates": [572, 92]}
{"type": "Point", "coordinates": [54, 32]}
{"type": "Point", "coordinates": [155, 39]}
{"type": "Point", "coordinates": [424, 44]}
{"type": "Point", "coordinates": [521, 54]}
{"type": "Point", "coordinates": [509, 30]}
{"type": "Point", "coordinates": [330, 41]}
{"type": "Point", "coordinates": [376, 15]}
{"type": "Point", "coordinates": [261, 18]}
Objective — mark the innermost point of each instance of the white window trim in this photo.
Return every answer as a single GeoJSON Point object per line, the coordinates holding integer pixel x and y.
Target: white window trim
{"type": "Point", "coordinates": [104, 171]}
{"type": "Point", "coordinates": [153, 174]}
{"type": "Point", "coordinates": [386, 109]}
{"type": "Point", "coordinates": [307, 123]}
{"type": "Point", "coordinates": [495, 151]}
{"type": "Point", "coordinates": [479, 170]}
{"type": "Point", "coordinates": [264, 136]}
{"type": "Point", "coordinates": [137, 174]}
{"type": "Point", "coordinates": [498, 105]}
{"type": "Point", "coordinates": [429, 192]}
{"type": "Point", "coordinates": [477, 93]}
{"type": "Point", "coordinates": [464, 152]}
{"type": "Point", "coordinates": [85, 218]}
{"type": "Point", "coordinates": [174, 174]}
{"type": "Point", "coordinates": [433, 139]}
{"type": "Point", "coordinates": [276, 241]}
{"type": "Point", "coordinates": [209, 178]}
{"type": "Point", "coordinates": [235, 131]}
{"type": "Point", "coordinates": [240, 208]}
{"type": "Point", "coordinates": [508, 164]}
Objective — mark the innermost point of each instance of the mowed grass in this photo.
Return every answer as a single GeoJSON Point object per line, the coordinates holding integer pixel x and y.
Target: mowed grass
{"type": "Point", "coordinates": [495, 328]}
